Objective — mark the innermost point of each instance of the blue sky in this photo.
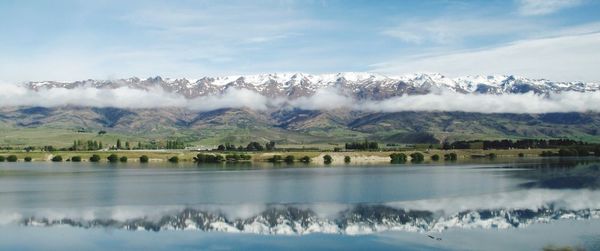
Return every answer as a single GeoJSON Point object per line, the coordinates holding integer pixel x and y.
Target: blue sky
{"type": "Point", "coordinates": [72, 40]}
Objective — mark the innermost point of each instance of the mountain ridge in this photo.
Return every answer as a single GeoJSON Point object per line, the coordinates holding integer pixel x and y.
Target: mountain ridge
{"type": "Point", "coordinates": [361, 85]}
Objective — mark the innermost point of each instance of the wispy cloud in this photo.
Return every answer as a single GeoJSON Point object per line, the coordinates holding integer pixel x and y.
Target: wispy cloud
{"type": "Point", "coordinates": [446, 30]}
{"type": "Point", "coordinates": [543, 7]}
{"type": "Point", "coordinates": [565, 58]}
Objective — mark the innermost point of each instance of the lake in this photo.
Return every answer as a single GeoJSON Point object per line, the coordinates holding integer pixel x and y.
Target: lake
{"type": "Point", "coordinates": [524, 204]}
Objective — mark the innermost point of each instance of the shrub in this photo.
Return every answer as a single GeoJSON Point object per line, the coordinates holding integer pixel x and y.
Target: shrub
{"type": "Point", "coordinates": [289, 159]}
{"type": "Point", "coordinates": [347, 159]}
{"type": "Point", "coordinates": [327, 159]}
{"type": "Point", "coordinates": [144, 159]}
{"type": "Point", "coordinates": [2, 158]}
{"type": "Point", "coordinates": [275, 158]}
{"type": "Point", "coordinates": [113, 158]}
{"type": "Point", "coordinates": [27, 159]}
{"type": "Point", "coordinates": [174, 159]}
{"type": "Point", "coordinates": [245, 156]}
{"type": "Point", "coordinates": [95, 158]}
{"type": "Point", "coordinates": [123, 159]}
{"type": "Point", "coordinates": [57, 158]}
{"type": "Point", "coordinates": [11, 158]}
{"type": "Point", "coordinates": [305, 159]}
{"type": "Point", "coordinates": [416, 157]}
{"type": "Point", "coordinates": [398, 158]}
{"type": "Point", "coordinates": [208, 158]}
{"type": "Point", "coordinates": [492, 155]}
{"type": "Point", "coordinates": [521, 155]}
{"type": "Point", "coordinates": [435, 157]}
{"type": "Point", "coordinates": [76, 158]}
{"type": "Point", "coordinates": [450, 156]}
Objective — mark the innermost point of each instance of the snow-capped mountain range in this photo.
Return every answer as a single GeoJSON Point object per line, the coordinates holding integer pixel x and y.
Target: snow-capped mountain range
{"type": "Point", "coordinates": [357, 84]}
{"type": "Point", "coordinates": [361, 219]}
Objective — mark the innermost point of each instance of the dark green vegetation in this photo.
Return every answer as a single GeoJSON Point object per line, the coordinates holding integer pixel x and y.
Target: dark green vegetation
{"type": "Point", "coordinates": [123, 159]}
{"type": "Point", "coordinates": [347, 159]}
{"type": "Point", "coordinates": [366, 145]}
{"type": "Point", "coordinates": [514, 144]}
{"type": "Point", "coordinates": [397, 158]}
{"type": "Point", "coordinates": [57, 158]}
{"type": "Point", "coordinates": [305, 159]}
{"type": "Point", "coordinates": [144, 159]}
{"type": "Point", "coordinates": [208, 158]}
{"type": "Point", "coordinates": [12, 158]}
{"type": "Point", "coordinates": [289, 159]}
{"type": "Point", "coordinates": [60, 126]}
{"type": "Point", "coordinates": [435, 157]}
{"type": "Point", "coordinates": [113, 158]}
{"type": "Point", "coordinates": [27, 159]}
{"type": "Point", "coordinates": [450, 156]}
{"type": "Point", "coordinates": [95, 158]}
{"type": "Point", "coordinates": [275, 158]}
{"type": "Point", "coordinates": [327, 159]}
{"type": "Point", "coordinates": [417, 157]}
{"type": "Point", "coordinates": [76, 159]}
{"type": "Point", "coordinates": [174, 159]}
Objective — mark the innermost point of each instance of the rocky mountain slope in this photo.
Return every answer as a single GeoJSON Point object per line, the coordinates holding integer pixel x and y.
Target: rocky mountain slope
{"type": "Point", "coordinates": [358, 85]}
{"type": "Point", "coordinates": [297, 125]}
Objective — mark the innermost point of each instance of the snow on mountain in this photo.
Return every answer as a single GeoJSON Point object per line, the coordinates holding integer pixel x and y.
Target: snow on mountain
{"type": "Point", "coordinates": [289, 220]}
{"type": "Point", "coordinates": [359, 84]}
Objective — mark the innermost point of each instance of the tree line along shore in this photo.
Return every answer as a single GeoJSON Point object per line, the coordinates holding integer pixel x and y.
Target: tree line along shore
{"type": "Point", "coordinates": [176, 156]}
{"type": "Point", "coordinates": [362, 151]}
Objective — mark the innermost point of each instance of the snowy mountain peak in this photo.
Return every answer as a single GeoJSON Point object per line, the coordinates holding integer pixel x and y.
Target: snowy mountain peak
{"type": "Point", "coordinates": [363, 85]}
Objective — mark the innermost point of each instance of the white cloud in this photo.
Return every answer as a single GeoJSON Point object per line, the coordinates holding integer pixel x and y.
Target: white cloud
{"type": "Point", "coordinates": [445, 30]}
{"type": "Point", "coordinates": [543, 7]}
{"type": "Point", "coordinates": [564, 58]}
{"type": "Point", "coordinates": [322, 100]}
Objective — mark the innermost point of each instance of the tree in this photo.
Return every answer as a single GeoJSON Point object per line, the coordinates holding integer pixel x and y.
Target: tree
{"type": "Point", "coordinates": [289, 159]}
{"type": "Point", "coordinates": [123, 159]}
{"type": "Point", "coordinates": [113, 158]}
{"type": "Point", "coordinates": [208, 158]}
{"type": "Point", "coordinates": [118, 144]}
{"type": "Point", "coordinates": [95, 158]}
{"type": "Point", "coordinates": [347, 159]}
{"type": "Point", "coordinates": [57, 158]}
{"type": "Point", "coordinates": [398, 158]}
{"type": "Point", "coordinates": [76, 159]}
{"type": "Point", "coordinates": [275, 158]}
{"type": "Point", "coordinates": [416, 157]}
{"type": "Point", "coordinates": [327, 159]}
{"type": "Point", "coordinates": [435, 157]}
{"type": "Point", "coordinates": [450, 156]}
{"type": "Point", "coordinates": [143, 159]}
{"type": "Point", "coordinates": [27, 159]}
{"type": "Point", "coordinates": [11, 158]}
{"type": "Point", "coordinates": [254, 146]}
{"type": "Point", "coordinates": [2, 158]}
{"type": "Point", "coordinates": [174, 159]}
{"type": "Point", "coordinates": [305, 159]}
{"type": "Point", "coordinates": [127, 145]}
{"type": "Point", "coordinates": [221, 148]}
{"type": "Point", "coordinates": [139, 145]}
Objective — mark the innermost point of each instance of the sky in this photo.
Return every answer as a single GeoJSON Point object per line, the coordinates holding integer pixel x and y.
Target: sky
{"type": "Point", "coordinates": [105, 39]}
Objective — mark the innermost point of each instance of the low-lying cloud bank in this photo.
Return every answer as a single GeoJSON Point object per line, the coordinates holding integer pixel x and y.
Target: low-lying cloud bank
{"type": "Point", "coordinates": [325, 99]}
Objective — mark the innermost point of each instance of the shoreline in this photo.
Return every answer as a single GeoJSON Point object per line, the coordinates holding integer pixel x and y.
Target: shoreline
{"type": "Point", "coordinates": [357, 157]}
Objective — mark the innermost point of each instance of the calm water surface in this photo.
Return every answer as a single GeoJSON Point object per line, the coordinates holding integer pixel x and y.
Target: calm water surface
{"type": "Point", "coordinates": [524, 205]}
